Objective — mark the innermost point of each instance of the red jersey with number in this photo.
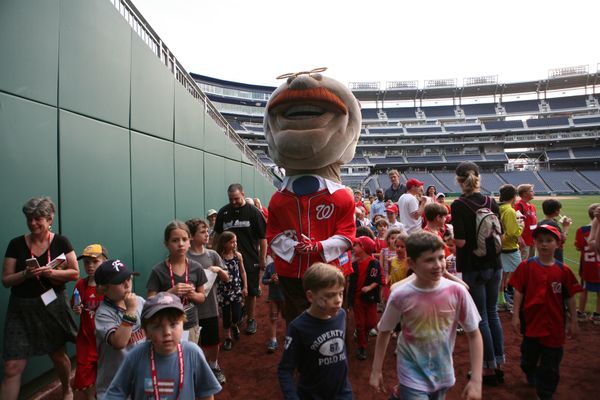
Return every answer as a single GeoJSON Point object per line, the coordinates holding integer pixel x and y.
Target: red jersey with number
{"type": "Point", "coordinates": [543, 288]}
{"type": "Point", "coordinates": [589, 261]}
{"type": "Point", "coordinates": [529, 219]}
{"type": "Point", "coordinates": [318, 216]}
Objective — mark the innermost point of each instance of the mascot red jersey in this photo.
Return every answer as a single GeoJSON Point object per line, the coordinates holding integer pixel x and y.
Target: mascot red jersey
{"type": "Point", "coordinates": [312, 125]}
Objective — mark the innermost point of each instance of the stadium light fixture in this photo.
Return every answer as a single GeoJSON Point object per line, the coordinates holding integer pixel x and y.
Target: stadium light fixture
{"type": "Point", "coordinates": [390, 85]}
{"type": "Point", "coordinates": [364, 85]}
{"type": "Point", "coordinates": [568, 71]}
{"type": "Point", "coordinates": [440, 83]}
{"type": "Point", "coordinates": [480, 80]}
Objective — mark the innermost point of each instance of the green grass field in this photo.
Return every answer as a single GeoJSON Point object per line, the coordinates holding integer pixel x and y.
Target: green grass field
{"type": "Point", "coordinates": [576, 208]}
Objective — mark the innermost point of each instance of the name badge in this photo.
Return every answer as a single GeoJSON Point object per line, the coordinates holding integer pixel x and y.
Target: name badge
{"type": "Point", "coordinates": [48, 297]}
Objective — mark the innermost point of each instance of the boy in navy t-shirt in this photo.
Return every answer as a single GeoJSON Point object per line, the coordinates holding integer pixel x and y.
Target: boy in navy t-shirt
{"type": "Point", "coordinates": [315, 343]}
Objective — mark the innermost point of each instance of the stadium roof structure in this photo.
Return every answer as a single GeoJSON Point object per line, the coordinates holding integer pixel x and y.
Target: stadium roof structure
{"type": "Point", "coordinates": [443, 88]}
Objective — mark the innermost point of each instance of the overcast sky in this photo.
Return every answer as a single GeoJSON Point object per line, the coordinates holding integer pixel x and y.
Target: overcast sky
{"type": "Point", "coordinates": [375, 40]}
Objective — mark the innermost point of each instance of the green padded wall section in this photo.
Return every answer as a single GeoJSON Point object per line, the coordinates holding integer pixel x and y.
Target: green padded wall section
{"type": "Point", "coordinates": [214, 139]}
{"type": "Point", "coordinates": [189, 183]}
{"type": "Point", "coordinates": [153, 201]}
{"type": "Point", "coordinates": [152, 88]}
{"type": "Point", "coordinates": [28, 168]}
{"type": "Point", "coordinates": [215, 193]}
{"type": "Point", "coordinates": [119, 163]}
{"type": "Point", "coordinates": [189, 118]}
{"type": "Point", "coordinates": [29, 66]}
{"type": "Point", "coordinates": [248, 179]}
{"type": "Point", "coordinates": [95, 185]}
{"type": "Point", "coordinates": [95, 61]}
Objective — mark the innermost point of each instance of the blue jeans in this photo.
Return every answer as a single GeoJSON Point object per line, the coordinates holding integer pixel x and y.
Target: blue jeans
{"type": "Point", "coordinates": [484, 286]}
{"type": "Point", "coordinates": [407, 393]}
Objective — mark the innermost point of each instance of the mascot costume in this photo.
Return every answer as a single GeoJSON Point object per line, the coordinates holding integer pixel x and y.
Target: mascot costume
{"type": "Point", "coordinates": [312, 124]}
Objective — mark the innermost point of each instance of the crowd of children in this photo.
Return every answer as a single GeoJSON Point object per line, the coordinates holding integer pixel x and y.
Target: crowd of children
{"type": "Point", "coordinates": [406, 286]}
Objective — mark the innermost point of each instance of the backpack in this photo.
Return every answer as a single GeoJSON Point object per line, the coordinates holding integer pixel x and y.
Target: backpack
{"type": "Point", "coordinates": [488, 228]}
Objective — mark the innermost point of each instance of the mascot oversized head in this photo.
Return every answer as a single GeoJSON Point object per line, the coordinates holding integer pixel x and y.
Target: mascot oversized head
{"type": "Point", "coordinates": [312, 124]}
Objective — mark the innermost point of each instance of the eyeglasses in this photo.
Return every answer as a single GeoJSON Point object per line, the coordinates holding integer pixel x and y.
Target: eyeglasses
{"type": "Point", "coordinates": [296, 74]}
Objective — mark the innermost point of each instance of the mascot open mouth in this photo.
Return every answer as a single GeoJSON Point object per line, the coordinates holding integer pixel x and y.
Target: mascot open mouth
{"type": "Point", "coordinates": [307, 103]}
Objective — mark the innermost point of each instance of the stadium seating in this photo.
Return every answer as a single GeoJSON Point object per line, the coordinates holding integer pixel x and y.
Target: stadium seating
{"type": "Point", "coordinates": [552, 155]}
{"type": "Point", "coordinates": [502, 125]}
{"type": "Point", "coordinates": [519, 177]}
{"type": "Point", "coordinates": [448, 179]}
{"type": "Point", "coordinates": [462, 128]}
{"type": "Point", "coordinates": [587, 120]}
{"type": "Point", "coordinates": [593, 176]}
{"type": "Point", "coordinates": [479, 109]}
{"type": "Point", "coordinates": [424, 159]}
{"type": "Point", "coordinates": [389, 130]}
{"type": "Point", "coordinates": [490, 182]}
{"type": "Point", "coordinates": [463, 157]}
{"type": "Point", "coordinates": [424, 129]}
{"type": "Point", "coordinates": [587, 152]}
{"type": "Point", "coordinates": [358, 161]}
{"type": "Point", "coordinates": [369, 113]}
{"type": "Point", "coordinates": [567, 182]}
{"type": "Point", "coordinates": [401, 113]}
{"type": "Point", "coordinates": [496, 157]}
{"type": "Point", "coordinates": [543, 122]}
{"type": "Point", "coordinates": [427, 179]}
{"type": "Point", "coordinates": [567, 102]}
{"type": "Point", "coordinates": [438, 111]}
{"type": "Point", "coordinates": [521, 106]}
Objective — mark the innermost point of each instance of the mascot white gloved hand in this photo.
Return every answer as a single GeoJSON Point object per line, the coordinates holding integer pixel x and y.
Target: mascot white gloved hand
{"type": "Point", "coordinates": [312, 124]}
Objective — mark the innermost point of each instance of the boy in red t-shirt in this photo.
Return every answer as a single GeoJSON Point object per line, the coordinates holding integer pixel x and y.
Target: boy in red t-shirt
{"type": "Point", "coordinates": [527, 210]}
{"type": "Point", "coordinates": [542, 285]}
{"type": "Point", "coordinates": [589, 268]}
{"type": "Point", "coordinates": [85, 305]}
{"type": "Point", "coordinates": [363, 293]}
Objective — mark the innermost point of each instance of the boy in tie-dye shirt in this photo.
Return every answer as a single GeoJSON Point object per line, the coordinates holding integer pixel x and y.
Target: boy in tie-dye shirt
{"type": "Point", "coordinates": [430, 307]}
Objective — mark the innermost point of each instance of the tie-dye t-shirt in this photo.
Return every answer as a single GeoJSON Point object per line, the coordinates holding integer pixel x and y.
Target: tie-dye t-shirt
{"type": "Point", "coordinates": [429, 318]}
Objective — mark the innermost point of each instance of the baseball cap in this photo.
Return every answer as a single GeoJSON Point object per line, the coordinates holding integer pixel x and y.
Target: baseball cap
{"type": "Point", "coordinates": [392, 208]}
{"type": "Point", "coordinates": [548, 229]}
{"type": "Point", "coordinates": [112, 272]}
{"type": "Point", "coordinates": [366, 243]}
{"type": "Point", "coordinates": [464, 167]}
{"type": "Point", "coordinates": [211, 212]}
{"type": "Point", "coordinates": [94, 251]}
{"type": "Point", "coordinates": [440, 194]}
{"type": "Point", "coordinates": [413, 182]}
{"type": "Point", "coordinates": [161, 301]}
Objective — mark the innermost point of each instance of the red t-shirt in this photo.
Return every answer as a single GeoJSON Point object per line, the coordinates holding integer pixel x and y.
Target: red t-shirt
{"type": "Point", "coordinates": [363, 267]}
{"type": "Point", "coordinates": [542, 287]}
{"type": "Point", "coordinates": [589, 261]}
{"type": "Point", "coordinates": [529, 219]}
{"type": "Point", "coordinates": [85, 344]}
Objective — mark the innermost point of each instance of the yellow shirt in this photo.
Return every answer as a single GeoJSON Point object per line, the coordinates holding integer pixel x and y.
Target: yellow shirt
{"type": "Point", "coordinates": [398, 270]}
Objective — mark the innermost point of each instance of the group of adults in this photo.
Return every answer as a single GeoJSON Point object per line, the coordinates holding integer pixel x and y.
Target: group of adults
{"type": "Point", "coordinates": [38, 318]}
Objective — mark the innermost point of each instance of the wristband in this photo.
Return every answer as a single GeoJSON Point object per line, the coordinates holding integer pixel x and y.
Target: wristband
{"type": "Point", "coordinates": [129, 319]}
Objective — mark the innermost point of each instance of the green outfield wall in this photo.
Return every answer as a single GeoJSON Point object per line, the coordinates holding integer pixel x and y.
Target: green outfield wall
{"type": "Point", "coordinates": [91, 117]}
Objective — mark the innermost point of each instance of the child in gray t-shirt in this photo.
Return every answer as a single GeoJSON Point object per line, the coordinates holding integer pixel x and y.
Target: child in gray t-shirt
{"type": "Point", "coordinates": [164, 367]}
{"type": "Point", "coordinates": [118, 327]}
{"type": "Point", "coordinates": [208, 312]}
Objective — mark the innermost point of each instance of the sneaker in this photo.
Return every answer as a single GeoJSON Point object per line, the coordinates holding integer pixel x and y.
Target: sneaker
{"type": "Point", "coordinates": [362, 354]}
{"type": "Point", "coordinates": [499, 375]}
{"type": "Point", "coordinates": [235, 331]}
{"type": "Point", "coordinates": [582, 316]}
{"type": "Point", "coordinates": [373, 332]}
{"type": "Point", "coordinates": [219, 375]}
{"type": "Point", "coordinates": [502, 306]}
{"type": "Point", "coordinates": [272, 346]}
{"type": "Point", "coordinates": [595, 318]}
{"type": "Point", "coordinates": [228, 344]}
{"type": "Point", "coordinates": [251, 327]}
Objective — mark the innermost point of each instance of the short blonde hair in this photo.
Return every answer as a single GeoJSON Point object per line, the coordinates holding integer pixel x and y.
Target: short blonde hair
{"type": "Point", "coordinates": [322, 276]}
{"type": "Point", "coordinates": [524, 187]}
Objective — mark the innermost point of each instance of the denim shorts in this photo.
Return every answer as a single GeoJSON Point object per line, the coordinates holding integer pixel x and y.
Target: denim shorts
{"type": "Point", "coordinates": [407, 393]}
{"type": "Point", "coordinates": [510, 261]}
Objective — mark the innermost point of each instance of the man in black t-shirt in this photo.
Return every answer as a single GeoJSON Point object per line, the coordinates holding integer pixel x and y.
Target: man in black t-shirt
{"type": "Point", "coordinates": [249, 226]}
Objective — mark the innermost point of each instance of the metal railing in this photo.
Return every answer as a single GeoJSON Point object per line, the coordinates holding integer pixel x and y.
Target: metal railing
{"type": "Point", "coordinates": [143, 29]}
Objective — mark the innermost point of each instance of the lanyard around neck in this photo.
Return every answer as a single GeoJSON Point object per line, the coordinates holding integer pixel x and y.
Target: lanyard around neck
{"type": "Point", "coordinates": [184, 300]}
{"type": "Point", "coordinates": [155, 375]}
